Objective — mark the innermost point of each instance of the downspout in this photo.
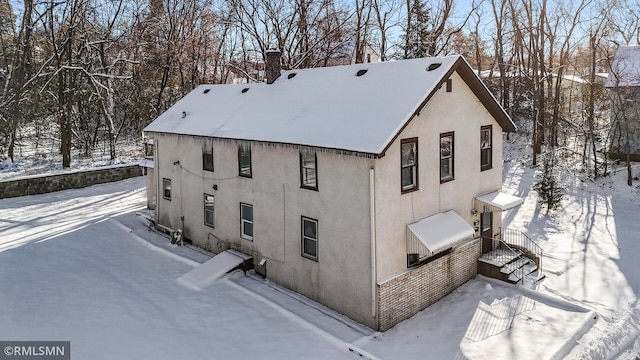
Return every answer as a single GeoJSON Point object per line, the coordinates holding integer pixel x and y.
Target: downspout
{"type": "Point", "coordinates": [372, 208]}
{"type": "Point", "coordinates": [156, 175]}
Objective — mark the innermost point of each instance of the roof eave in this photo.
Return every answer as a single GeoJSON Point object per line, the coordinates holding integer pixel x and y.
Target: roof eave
{"type": "Point", "coordinates": [361, 153]}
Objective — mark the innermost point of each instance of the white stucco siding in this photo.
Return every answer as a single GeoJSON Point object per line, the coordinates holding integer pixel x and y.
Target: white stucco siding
{"type": "Point", "coordinates": [460, 112]}
{"type": "Point", "coordinates": [340, 278]}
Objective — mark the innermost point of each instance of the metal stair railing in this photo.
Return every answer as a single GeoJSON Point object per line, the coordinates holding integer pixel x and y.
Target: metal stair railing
{"type": "Point", "coordinates": [511, 255]}
{"type": "Point", "coordinates": [520, 241]}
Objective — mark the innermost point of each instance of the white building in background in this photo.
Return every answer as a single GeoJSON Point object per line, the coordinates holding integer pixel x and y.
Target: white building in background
{"type": "Point", "coordinates": [623, 84]}
{"type": "Point", "coordinates": [368, 188]}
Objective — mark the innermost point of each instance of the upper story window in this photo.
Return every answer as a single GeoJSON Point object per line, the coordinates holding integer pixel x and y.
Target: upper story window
{"type": "Point", "coordinates": [308, 170]}
{"type": "Point", "coordinates": [209, 210]}
{"type": "Point", "coordinates": [446, 157]}
{"type": "Point", "coordinates": [207, 155]}
{"type": "Point", "coordinates": [246, 221]}
{"type": "Point", "coordinates": [244, 160]}
{"type": "Point", "coordinates": [409, 164]}
{"type": "Point", "coordinates": [166, 188]}
{"type": "Point", "coordinates": [310, 238]}
{"type": "Point", "coordinates": [148, 148]}
{"type": "Point", "coordinates": [486, 144]}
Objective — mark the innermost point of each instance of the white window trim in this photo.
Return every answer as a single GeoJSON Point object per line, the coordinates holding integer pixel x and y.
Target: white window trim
{"type": "Point", "coordinates": [243, 221]}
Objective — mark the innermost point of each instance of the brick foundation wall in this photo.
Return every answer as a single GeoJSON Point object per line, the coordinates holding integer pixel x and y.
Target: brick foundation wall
{"type": "Point", "coordinates": [32, 185]}
{"type": "Point", "coordinates": [408, 293]}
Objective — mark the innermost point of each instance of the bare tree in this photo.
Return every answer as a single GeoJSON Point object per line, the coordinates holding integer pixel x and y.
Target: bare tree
{"type": "Point", "coordinates": [18, 70]}
{"type": "Point", "coordinates": [386, 18]}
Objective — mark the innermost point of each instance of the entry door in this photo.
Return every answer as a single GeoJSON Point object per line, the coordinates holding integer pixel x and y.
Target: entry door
{"type": "Point", "coordinates": [486, 231]}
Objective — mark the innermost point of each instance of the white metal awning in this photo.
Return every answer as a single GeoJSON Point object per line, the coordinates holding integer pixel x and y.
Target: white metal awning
{"type": "Point", "coordinates": [440, 231]}
{"type": "Point", "coordinates": [497, 201]}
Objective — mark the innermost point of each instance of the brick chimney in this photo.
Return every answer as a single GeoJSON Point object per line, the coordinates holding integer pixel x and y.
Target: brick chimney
{"type": "Point", "coordinates": [273, 65]}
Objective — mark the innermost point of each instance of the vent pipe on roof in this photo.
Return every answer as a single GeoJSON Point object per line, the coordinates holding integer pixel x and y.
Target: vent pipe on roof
{"type": "Point", "coordinates": [273, 65]}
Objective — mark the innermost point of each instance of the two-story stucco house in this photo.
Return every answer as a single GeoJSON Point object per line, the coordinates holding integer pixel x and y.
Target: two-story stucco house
{"type": "Point", "coordinates": [370, 188]}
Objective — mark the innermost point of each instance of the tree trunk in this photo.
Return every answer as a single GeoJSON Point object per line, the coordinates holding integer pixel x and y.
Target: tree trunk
{"type": "Point", "coordinates": [591, 113]}
{"type": "Point", "coordinates": [629, 176]}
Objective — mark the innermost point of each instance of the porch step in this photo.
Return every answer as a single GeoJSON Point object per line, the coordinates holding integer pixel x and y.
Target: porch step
{"type": "Point", "coordinates": [510, 266]}
{"type": "Point", "coordinates": [516, 264]}
{"type": "Point", "coordinates": [519, 269]}
{"type": "Point", "coordinates": [500, 257]}
{"type": "Point", "coordinates": [533, 279]}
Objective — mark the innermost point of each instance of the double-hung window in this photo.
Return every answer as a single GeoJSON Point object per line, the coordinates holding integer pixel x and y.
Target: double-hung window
{"type": "Point", "coordinates": [310, 238]}
{"type": "Point", "coordinates": [308, 170]}
{"type": "Point", "coordinates": [409, 164]}
{"type": "Point", "coordinates": [446, 157]}
{"type": "Point", "coordinates": [166, 188]}
{"type": "Point", "coordinates": [209, 210]}
{"type": "Point", "coordinates": [207, 155]}
{"type": "Point", "coordinates": [244, 160]}
{"type": "Point", "coordinates": [246, 221]}
{"type": "Point", "coordinates": [486, 144]}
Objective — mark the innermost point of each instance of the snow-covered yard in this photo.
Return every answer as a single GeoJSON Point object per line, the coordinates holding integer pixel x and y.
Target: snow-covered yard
{"type": "Point", "coordinates": [79, 265]}
{"type": "Point", "coordinates": [70, 271]}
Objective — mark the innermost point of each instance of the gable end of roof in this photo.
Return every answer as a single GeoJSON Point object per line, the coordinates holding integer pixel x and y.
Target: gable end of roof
{"type": "Point", "coordinates": [477, 87]}
{"type": "Point", "coordinates": [484, 95]}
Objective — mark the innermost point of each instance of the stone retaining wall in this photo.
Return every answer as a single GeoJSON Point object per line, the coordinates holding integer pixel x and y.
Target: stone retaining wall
{"type": "Point", "coordinates": [31, 185]}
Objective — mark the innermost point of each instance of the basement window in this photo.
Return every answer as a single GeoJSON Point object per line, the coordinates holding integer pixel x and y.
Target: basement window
{"type": "Point", "coordinates": [166, 188]}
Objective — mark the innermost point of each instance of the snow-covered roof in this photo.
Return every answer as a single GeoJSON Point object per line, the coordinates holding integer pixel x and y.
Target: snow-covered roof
{"type": "Point", "coordinates": [329, 107]}
{"type": "Point", "coordinates": [499, 201]}
{"type": "Point", "coordinates": [575, 78]}
{"type": "Point", "coordinates": [625, 68]}
{"type": "Point", "coordinates": [441, 231]}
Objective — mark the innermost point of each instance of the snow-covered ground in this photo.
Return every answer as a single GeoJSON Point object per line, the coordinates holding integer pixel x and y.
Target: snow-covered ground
{"type": "Point", "coordinates": [77, 274]}
{"type": "Point", "coordinates": [592, 248]}
{"type": "Point", "coordinates": [30, 159]}
{"type": "Point", "coordinates": [79, 265]}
